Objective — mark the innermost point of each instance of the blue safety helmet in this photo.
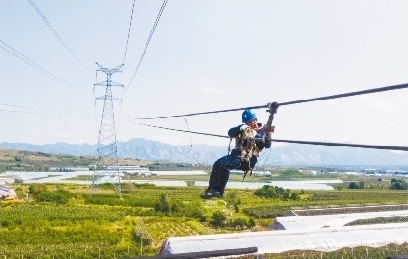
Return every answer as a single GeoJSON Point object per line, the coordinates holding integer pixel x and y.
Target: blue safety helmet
{"type": "Point", "coordinates": [248, 115]}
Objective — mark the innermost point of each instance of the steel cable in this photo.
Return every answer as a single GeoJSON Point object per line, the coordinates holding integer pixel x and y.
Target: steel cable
{"type": "Point", "coordinates": [39, 108]}
{"type": "Point", "coordinates": [76, 32]}
{"type": "Point", "coordinates": [332, 144]}
{"type": "Point", "coordinates": [337, 96]}
{"type": "Point", "coordinates": [130, 25]}
{"type": "Point", "coordinates": [148, 41]}
{"type": "Point", "coordinates": [56, 34]}
{"type": "Point", "coordinates": [35, 65]}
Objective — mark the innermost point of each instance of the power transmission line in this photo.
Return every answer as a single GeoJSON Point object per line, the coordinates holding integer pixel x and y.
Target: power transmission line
{"type": "Point", "coordinates": [24, 58]}
{"type": "Point", "coordinates": [58, 112]}
{"type": "Point", "coordinates": [56, 34]}
{"type": "Point", "coordinates": [127, 41]}
{"type": "Point", "coordinates": [76, 32]}
{"type": "Point", "coordinates": [18, 111]}
{"type": "Point", "coordinates": [42, 112]}
{"type": "Point", "coordinates": [38, 108]}
{"type": "Point", "coordinates": [148, 40]}
{"type": "Point", "coordinates": [368, 91]}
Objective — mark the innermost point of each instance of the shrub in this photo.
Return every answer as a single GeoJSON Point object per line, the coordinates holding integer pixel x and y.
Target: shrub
{"type": "Point", "coordinates": [233, 198]}
{"type": "Point", "coordinates": [268, 191]}
{"type": "Point", "coordinates": [59, 196]}
{"type": "Point", "coordinates": [218, 219]}
{"type": "Point", "coordinates": [163, 204]}
{"type": "Point", "coordinates": [37, 188]}
{"type": "Point", "coordinates": [354, 185]}
{"type": "Point", "coordinates": [398, 184]}
{"type": "Point", "coordinates": [239, 222]}
{"type": "Point", "coordinates": [251, 223]}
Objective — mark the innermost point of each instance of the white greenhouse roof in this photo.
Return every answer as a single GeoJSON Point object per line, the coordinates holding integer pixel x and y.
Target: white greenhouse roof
{"type": "Point", "coordinates": [181, 173]}
{"type": "Point", "coordinates": [326, 239]}
{"type": "Point", "coordinates": [61, 177]}
{"type": "Point", "coordinates": [292, 185]}
{"type": "Point", "coordinates": [316, 222]}
{"type": "Point", "coordinates": [346, 210]}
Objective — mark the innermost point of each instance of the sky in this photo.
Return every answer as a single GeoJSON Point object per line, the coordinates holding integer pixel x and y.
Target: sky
{"type": "Point", "coordinates": [203, 56]}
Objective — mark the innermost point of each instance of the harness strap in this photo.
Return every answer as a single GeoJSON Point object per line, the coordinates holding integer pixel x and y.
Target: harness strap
{"type": "Point", "coordinates": [250, 148]}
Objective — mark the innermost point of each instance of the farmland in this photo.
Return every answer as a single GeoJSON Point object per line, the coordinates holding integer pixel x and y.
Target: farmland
{"type": "Point", "coordinates": [65, 221]}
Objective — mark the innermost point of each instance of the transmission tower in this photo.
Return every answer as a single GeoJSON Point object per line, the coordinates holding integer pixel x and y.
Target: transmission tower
{"type": "Point", "coordinates": [106, 166]}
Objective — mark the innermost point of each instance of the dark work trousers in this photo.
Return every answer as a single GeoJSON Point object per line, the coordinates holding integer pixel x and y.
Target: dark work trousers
{"type": "Point", "coordinates": [221, 169]}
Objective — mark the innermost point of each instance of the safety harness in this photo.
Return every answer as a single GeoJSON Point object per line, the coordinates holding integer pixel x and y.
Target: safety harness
{"type": "Point", "coordinates": [248, 137]}
{"type": "Point", "coordinates": [249, 149]}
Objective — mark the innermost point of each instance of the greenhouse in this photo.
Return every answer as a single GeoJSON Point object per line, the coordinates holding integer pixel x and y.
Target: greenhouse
{"type": "Point", "coordinates": [316, 222]}
{"type": "Point", "coordinates": [346, 210]}
{"type": "Point", "coordinates": [292, 185]}
{"type": "Point", "coordinates": [270, 242]}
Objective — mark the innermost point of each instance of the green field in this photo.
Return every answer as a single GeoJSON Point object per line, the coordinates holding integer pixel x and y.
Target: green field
{"type": "Point", "coordinates": [64, 221]}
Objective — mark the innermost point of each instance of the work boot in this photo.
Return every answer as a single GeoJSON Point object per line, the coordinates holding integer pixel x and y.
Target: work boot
{"type": "Point", "coordinates": [210, 193]}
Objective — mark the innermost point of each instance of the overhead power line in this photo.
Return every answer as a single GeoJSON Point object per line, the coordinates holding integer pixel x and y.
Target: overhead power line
{"type": "Point", "coordinates": [76, 32]}
{"type": "Point", "coordinates": [148, 41]}
{"type": "Point", "coordinates": [337, 96]}
{"type": "Point", "coordinates": [43, 112]}
{"type": "Point", "coordinates": [38, 108]}
{"type": "Point", "coordinates": [331, 144]}
{"type": "Point", "coordinates": [18, 111]}
{"type": "Point", "coordinates": [21, 56]}
{"type": "Point", "coordinates": [130, 25]}
{"type": "Point", "coordinates": [56, 34]}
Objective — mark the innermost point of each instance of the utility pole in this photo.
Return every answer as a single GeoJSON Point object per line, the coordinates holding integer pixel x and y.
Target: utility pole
{"type": "Point", "coordinates": [107, 167]}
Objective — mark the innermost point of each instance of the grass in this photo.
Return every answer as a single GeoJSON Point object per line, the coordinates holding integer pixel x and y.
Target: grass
{"type": "Point", "coordinates": [80, 228]}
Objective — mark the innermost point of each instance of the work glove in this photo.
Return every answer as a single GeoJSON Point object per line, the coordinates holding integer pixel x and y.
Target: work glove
{"type": "Point", "coordinates": [243, 127]}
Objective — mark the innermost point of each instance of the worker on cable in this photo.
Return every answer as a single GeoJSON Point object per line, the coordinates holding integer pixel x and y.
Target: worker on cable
{"type": "Point", "coordinates": [250, 139]}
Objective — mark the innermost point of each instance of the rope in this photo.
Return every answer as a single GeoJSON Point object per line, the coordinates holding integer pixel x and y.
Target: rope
{"type": "Point", "coordinates": [191, 145]}
{"type": "Point", "coordinates": [337, 96]}
{"type": "Point", "coordinates": [331, 144]}
{"type": "Point", "coordinates": [256, 166]}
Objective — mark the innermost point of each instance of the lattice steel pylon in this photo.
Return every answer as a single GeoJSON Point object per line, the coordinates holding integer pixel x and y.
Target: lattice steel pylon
{"type": "Point", "coordinates": [106, 166]}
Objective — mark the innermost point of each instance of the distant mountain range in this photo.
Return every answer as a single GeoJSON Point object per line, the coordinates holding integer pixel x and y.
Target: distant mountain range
{"type": "Point", "coordinates": [292, 154]}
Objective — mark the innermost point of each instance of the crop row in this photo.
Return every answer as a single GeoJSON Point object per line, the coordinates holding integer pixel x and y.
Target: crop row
{"type": "Point", "coordinates": [28, 212]}
{"type": "Point", "coordinates": [100, 251]}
